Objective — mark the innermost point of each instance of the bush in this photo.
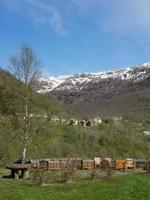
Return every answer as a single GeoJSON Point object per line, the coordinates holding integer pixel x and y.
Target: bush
{"type": "Point", "coordinates": [42, 176]}
{"type": "Point", "coordinates": [101, 173]}
{"type": "Point", "coordinates": [66, 174]}
{"type": "Point", "coordinates": [39, 176]}
{"type": "Point", "coordinates": [93, 174]}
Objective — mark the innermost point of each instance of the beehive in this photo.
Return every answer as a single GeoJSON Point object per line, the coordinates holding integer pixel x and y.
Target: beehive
{"type": "Point", "coordinates": [43, 165]}
{"type": "Point", "coordinates": [108, 159]}
{"type": "Point", "coordinates": [65, 163]}
{"type": "Point", "coordinates": [119, 165]}
{"type": "Point", "coordinates": [106, 163]}
{"type": "Point", "coordinates": [147, 166]}
{"type": "Point", "coordinates": [76, 163]}
{"type": "Point", "coordinates": [49, 164]}
{"type": "Point", "coordinates": [130, 164]}
{"type": "Point", "coordinates": [88, 164]}
{"type": "Point", "coordinates": [97, 161]}
{"type": "Point", "coordinates": [112, 164]}
{"type": "Point", "coordinates": [35, 163]}
{"type": "Point", "coordinates": [53, 165]}
{"type": "Point", "coordinates": [140, 163]}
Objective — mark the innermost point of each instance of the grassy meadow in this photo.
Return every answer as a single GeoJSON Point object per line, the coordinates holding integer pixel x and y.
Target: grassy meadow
{"type": "Point", "coordinates": [121, 187]}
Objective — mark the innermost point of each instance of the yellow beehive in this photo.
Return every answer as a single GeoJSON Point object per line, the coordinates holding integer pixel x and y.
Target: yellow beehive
{"type": "Point", "coordinates": [119, 165]}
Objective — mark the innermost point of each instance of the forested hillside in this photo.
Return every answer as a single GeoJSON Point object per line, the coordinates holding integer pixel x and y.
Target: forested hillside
{"type": "Point", "coordinates": [12, 98]}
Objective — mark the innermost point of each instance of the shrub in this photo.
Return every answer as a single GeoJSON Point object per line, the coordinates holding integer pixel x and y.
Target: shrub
{"type": "Point", "coordinates": [39, 176]}
{"type": "Point", "coordinates": [67, 174]}
{"type": "Point", "coordinates": [106, 173]}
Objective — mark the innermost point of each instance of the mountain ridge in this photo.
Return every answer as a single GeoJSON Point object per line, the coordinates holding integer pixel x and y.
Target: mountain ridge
{"type": "Point", "coordinates": [124, 92]}
{"type": "Point", "coordinates": [57, 82]}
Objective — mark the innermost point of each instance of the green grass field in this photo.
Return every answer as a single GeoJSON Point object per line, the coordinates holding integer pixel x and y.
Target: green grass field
{"type": "Point", "coordinates": [121, 187]}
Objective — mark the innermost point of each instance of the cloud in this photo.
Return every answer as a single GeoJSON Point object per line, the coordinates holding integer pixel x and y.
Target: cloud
{"type": "Point", "coordinates": [130, 15]}
{"type": "Point", "coordinates": [85, 5]}
{"type": "Point", "coordinates": [115, 16]}
{"type": "Point", "coordinates": [41, 12]}
{"type": "Point", "coordinates": [118, 16]}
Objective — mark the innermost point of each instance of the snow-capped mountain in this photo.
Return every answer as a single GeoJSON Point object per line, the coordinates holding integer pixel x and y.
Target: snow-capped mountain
{"type": "Point", "coordinates": [80, 81]}
{"type": "Point", "coordinates": [124, 92]}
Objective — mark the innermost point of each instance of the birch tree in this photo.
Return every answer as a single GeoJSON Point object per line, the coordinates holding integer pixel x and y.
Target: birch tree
{"type": "Point", "coordinates": [26, 67]}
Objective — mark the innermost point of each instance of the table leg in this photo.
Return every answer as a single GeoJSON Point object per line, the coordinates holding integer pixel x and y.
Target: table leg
{"type": "Point", "coordinates": [22, 173]}
{"type": "Point", "coordinates": [12, 173]}
{"type": "Point", "coordinates": [26, 174]}
{"type": "Point", "coordinates": [16, 176]}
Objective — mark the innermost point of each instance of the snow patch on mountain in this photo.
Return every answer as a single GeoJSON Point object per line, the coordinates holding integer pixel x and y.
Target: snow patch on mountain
{"type": "Point", "coordinates": [79, 81]}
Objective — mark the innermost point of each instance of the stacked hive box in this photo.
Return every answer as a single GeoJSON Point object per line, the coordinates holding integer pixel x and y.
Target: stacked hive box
{"type": "Point", "coordinates": [140, 163]}
{"type": "Point", "coordinates": [106, 163]}
{"type": "Point", "coordinates": [119, 165]}
{"type": "Point", "coordinates": [35, 163]}
{"type": "Point", "coordinates": [76, 163]}
{"type": "Point", "coordinates": [88, 164]}
{"type": "Point", "coordinates": [112, 164]}
{"type": "Point", "coordinates": [65, 163]}
{"type": "Point", "coordinates": [53, 165]}
{"type": "Point", "coordinates": [43, 165]}
{"type": "Point", "coordinates": [130, 164]}
{"type": "Point", "coordinates": [49, 164]}
{"type": "Point", "coordinates": [147, 166]}
{"type": "Point", "coordinates": [97, 161]}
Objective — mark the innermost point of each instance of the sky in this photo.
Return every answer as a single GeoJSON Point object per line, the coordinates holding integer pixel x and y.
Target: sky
{"type": "Point", "coordinates": [75, 36]}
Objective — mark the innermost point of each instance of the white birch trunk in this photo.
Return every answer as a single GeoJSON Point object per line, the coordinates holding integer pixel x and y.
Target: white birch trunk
{"type": "Point", "coordinates": [26, 133]}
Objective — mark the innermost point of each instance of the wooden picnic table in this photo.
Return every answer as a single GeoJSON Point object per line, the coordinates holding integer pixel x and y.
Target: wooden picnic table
{"type": "Point", "coordinates": [19, 170]}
